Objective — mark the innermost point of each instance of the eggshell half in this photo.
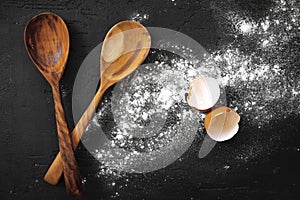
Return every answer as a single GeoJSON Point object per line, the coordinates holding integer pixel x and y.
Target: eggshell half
{"type": "Point", "coordinates": [204, 93]}
{"type": "Point", "coordinates": [222, 123]}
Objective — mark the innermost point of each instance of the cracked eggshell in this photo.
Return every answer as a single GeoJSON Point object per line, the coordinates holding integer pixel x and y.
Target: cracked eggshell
{"type": "Point", "coordinates": [204, 93]}
{"type": "Point", "coordinates": [222, 123]}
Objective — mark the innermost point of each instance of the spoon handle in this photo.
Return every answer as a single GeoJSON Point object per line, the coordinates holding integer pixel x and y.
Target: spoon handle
{"type": "Point", "coordinates": [68, 164]}
{"type": "Point", "coordinates": [55, 171]}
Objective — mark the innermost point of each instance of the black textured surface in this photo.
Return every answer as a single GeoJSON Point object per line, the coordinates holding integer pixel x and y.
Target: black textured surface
{"type": "Point", "coordinates": [28, 141]}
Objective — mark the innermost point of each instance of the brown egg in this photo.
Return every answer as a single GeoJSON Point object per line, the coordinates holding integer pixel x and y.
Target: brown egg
{"type": "Point", "coordinates": [222, 123]}
{"type": "Point", "coordinates": [204, 93]}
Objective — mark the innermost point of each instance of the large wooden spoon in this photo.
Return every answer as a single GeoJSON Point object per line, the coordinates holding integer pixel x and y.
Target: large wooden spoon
{"type": "Point", "coordinates": [47, 42]}
{"type": "Point", "coordinates": [125, 47]}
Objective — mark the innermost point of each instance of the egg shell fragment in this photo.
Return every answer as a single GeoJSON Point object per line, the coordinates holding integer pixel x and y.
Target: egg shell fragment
{"type": "Point", "coordinates": [222, 123]}
{"type": "Point", "coordinates": [204, 93]}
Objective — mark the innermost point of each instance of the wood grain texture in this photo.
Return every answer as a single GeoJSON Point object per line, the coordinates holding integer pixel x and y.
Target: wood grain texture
{"type": "Point", "coordinates": [47, 42]}
{"type": "Point", "coordinates": [136, 45]}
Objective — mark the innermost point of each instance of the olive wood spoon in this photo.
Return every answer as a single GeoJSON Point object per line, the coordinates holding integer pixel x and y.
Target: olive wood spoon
{"type": "Point", "coordinates": [47, 42]}
{"type": "Point", "coordinates": [125, 47]}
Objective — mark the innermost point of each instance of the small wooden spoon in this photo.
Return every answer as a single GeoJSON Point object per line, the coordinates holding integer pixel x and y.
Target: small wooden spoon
{"type": "Point", "coordinates": [47, 42]}
{"type": "Point", "coordinates": [125, 47]}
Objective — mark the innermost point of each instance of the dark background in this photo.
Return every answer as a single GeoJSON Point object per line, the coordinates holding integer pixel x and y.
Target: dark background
{"type": "Point", "coordinates": [28, 141]}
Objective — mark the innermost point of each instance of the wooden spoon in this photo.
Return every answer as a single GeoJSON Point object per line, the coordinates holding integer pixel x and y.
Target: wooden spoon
{"type": "Point", "coordinates": [125, 47]}
{"type": "Point", "coordinates": [47, 42]}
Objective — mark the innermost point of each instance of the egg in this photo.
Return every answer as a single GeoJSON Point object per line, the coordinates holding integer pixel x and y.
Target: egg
{"type": "Point", "coordinates": [204, 93]}
{"type": "Point", "coordinates": [222, 123]}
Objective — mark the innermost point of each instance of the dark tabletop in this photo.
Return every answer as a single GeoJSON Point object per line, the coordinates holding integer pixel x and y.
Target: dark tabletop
{"type": "Point", "coordinates": [28, 139]}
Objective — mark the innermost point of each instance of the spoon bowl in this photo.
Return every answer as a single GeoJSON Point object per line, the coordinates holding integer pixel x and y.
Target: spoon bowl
{"type": "Point", "coordinates": [47, 42]}
{"type": "Point", "coordinates": [135, 38]}
{"type": "Point", "coordinates": [125, 47]}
